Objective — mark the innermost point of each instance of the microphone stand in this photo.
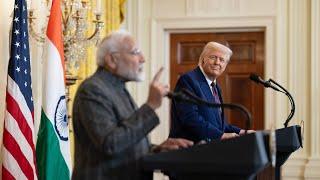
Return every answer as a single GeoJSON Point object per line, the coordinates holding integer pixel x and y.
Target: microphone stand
{"type": "Point", "coordinates": [189, 97]}
{"type": "Point", "coordinates": [295, 137]}
{"type": "Point", "coordinates": [293, 107]}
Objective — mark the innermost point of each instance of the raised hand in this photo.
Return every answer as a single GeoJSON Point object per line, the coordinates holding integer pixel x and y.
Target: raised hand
{"type": "Point", "coordinates": [157, 91]}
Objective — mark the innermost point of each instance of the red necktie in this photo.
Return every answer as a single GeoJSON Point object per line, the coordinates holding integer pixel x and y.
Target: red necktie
{"type": "Point", "coordinates": [215, 94]}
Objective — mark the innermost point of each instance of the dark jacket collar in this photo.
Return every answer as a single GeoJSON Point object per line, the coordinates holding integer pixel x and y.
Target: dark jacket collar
{"type": "Point", "coordinates": [109, 77]}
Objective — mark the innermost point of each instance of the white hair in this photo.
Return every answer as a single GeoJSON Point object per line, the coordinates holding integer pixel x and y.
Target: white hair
{"type": "Point", "coordinates": [214, 46]}
{"type": "Point", "coordinates": [110, 44]}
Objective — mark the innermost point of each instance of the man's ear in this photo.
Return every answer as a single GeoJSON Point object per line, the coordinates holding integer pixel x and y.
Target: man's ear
{"type": "Point", "coordinates": [111, 61]}
{"type": "Point", "coordinates": [202, 60]}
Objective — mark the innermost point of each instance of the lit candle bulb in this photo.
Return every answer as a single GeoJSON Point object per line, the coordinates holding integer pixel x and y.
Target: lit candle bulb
{"type": "Point", "coordinates": [98, 7]}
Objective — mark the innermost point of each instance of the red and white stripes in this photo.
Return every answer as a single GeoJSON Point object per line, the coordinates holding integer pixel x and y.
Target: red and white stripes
{"type": "Point", "coordinates": [18, 145]}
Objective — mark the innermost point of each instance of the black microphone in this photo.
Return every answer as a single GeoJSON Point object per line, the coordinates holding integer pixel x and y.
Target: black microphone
{"type": "Point", "coordinates": [259, 80]}
{"type": "Point", "coordinates": [180, 96]}
{"type": "Point", "coordinates": [186, 96]}
{"type": "Point", "coordinates": [267, 84]}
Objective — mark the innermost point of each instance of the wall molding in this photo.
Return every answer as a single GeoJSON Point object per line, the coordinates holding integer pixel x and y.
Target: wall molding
{"type": "Point", "coordinates": [294, 168]}
{"type": "Point", "coordinates": [312, 168]}
{"type": "Point", "coordinates": [206, 8]}
{"type": "Point", "coordinates": [314, 78]}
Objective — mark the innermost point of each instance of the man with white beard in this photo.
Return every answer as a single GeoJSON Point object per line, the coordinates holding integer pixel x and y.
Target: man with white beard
{"type": "Point", "coordinates": [110, 130]}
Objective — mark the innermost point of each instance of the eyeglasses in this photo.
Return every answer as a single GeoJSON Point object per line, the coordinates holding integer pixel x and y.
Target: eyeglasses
{"type": "Point", "coordinates": [215, 58]}
{"type": "Point", "coordinates": [134, 52]}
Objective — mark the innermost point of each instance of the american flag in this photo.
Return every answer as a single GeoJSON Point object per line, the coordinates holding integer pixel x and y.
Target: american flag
{"type": "Point", "coordinates": [18, 145]}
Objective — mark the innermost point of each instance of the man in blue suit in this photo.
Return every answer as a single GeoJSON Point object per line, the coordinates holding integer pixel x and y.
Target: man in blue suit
{"type": "Point", "coordinates": [197, 122]}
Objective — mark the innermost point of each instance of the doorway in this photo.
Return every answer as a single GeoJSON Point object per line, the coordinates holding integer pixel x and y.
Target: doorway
{"type": "Point", "coordinates": [248, 57]}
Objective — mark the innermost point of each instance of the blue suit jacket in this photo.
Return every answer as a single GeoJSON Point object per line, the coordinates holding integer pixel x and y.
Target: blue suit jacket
{"type": "Point", "coordinates": [198, 122]}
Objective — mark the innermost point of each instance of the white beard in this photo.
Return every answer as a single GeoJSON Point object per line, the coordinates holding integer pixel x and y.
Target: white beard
{"type": "Point", "coordinates": [141, 76]}
{"type": "Point", "coordinates": [132, 75]}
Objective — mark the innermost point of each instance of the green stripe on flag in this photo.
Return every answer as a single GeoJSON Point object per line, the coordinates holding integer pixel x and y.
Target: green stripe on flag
{"type": "Point", "coordinates": [50, 162]}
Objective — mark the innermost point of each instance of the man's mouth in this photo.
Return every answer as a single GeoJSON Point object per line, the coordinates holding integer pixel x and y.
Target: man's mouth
{"type": "Point", "coordinates": [215, 68]}
{"type": "Point", "coordinates": [140, 69]}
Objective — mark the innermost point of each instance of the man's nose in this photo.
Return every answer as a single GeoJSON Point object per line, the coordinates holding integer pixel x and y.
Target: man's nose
{"type": "Point", "coordinates": [217, 61]}
{"type": "Point", "coordinates": [142, 60]}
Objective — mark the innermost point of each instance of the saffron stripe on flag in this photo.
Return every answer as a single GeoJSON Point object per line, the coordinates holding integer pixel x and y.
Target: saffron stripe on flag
{"type": "Point", "coordinates": [54, 34]}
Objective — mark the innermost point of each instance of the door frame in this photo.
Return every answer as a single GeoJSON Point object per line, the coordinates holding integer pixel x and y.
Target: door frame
{"type": "Point", "coordinates": [160, 53]}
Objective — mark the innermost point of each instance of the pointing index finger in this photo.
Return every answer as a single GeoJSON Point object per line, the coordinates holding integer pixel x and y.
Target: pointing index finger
{"type": "Point", "coordinates": [157, 76]}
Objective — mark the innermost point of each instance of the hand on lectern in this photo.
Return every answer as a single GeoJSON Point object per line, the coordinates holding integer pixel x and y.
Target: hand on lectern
{"type": "Point", "coordinates": [243, 132]}
{"type": "Point", "coordinates": [173, 144]}
{"type": "Point", "coordinates": [229, 136]}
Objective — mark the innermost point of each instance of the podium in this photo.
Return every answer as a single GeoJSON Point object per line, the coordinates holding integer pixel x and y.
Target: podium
{"type": "Point", "coordinates": [238, 158]}
{"type": "Point", "coordinates": [288, 139]}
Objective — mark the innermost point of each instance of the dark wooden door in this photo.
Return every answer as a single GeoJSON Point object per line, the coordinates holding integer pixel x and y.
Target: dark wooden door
{"type": "Point", "coordinates": [248, 57]}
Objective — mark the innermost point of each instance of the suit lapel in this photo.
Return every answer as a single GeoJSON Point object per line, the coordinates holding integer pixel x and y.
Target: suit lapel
{"type": "Point", "coordinates": [220, 97]}
{"type": "Point", "coordinates": [204, 87]}
{"type": "Point", "coordinates": [133, 104]}
{"type": "Point", "coordinates": [208, 93]}
{"type": "Point", "coordinates": [219, 93]}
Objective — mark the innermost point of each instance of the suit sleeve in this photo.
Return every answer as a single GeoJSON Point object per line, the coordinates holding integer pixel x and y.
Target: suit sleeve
{"type": "Point", "coordinates": [231, 129]}
{"type": "Point", "coordinates": [108, 134]}
{"type": "Point", "coordinates": [190, 118]}
{"type": "Point", "coordinates": [228, 128]}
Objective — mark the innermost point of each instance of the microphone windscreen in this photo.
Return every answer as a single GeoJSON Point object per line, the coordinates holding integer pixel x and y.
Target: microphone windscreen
{"type": "Point", "coordinates": [255, 78]}
{"type": "Point", "coordinates": [170, 95]}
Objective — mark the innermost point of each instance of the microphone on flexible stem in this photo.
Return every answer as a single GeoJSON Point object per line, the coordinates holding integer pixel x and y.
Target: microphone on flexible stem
{"type": "Point", "coordinates": [267, 84]}
{"type": "Point", "coordinates": [180, 96]}
{"type": "Point", "coordinates": [186, 96]}
{"type": "Point", "coordinates": [293, 106]}
{"type": "Point", "coordinates": [259, 80]}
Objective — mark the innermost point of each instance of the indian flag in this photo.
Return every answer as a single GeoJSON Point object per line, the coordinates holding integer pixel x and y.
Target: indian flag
{"type": "Point", "coordinates": [53, 144]}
